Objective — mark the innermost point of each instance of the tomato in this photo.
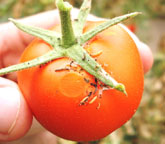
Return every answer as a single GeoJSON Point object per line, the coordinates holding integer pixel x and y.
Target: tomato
{"type": "Point", "coordinates": [132, 27]}
{"type": "Point", "coordinates": [70, 102]}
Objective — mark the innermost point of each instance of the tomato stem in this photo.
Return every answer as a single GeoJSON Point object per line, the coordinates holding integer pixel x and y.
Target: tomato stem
{"type": "Point", "coordinates": [68, 36]}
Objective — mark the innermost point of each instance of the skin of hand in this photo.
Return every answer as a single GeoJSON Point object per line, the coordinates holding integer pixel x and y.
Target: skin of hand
{"type": "Point", "coordinates": [15, 116]}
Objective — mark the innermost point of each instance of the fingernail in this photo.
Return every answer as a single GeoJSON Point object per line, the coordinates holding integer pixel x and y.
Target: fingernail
{"type": "Point", "coordinates": [9, 108]}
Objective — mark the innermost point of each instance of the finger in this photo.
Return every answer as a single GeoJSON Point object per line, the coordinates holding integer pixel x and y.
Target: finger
{"type": "Point", "coordinates": [37, 134]}
{"type": "Point", "coordinates": [15, 116]}
{"type": "Point", "coordinates": [144, 51]}
{"type": "Point", "coordinates": [146, 56]}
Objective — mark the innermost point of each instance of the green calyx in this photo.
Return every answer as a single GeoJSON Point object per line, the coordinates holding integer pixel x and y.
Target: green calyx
{"type": "Point", "coordinates": [70, 43]}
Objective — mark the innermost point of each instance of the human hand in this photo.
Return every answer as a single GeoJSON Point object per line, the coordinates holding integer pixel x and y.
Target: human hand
{"type": "Point", "coordinates": [15, 116]}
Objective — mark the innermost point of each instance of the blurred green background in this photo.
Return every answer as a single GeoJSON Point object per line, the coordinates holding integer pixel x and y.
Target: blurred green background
{"type": "Point", "coordinates": [148, 124]}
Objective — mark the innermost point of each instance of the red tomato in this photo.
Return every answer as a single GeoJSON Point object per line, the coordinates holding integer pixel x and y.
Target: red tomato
{"type": "Point", "coordinates": [56, 91]}
{"type": "Point", "coordinates": [132, 27]}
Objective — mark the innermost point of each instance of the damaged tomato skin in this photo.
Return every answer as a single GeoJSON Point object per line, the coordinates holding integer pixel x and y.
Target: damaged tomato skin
{"type": "Point", "coordinates": [54, 91]}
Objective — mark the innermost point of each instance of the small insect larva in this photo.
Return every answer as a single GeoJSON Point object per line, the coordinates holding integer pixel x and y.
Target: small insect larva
{"type": "Point", "coordinates": [98, 107]}
{"type": "Point", "coordinates": [93, 99]}
{"type": "Point", "coordinates": [86, 80]}
{"type": "Point", "coordinates": [84, 57]}
{"type": "Point", "coordinates": [84, 100]}
{"type": "Point", "coordinates": [96, 53]}
{"type": "Point", "coordinates": [62, 69]}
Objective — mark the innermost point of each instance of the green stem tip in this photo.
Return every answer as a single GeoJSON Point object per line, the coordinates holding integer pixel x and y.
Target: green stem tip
{"type": "Point", "coordinates": [68, 36]}
{"type": "Point", "coordinates": [63, 6]}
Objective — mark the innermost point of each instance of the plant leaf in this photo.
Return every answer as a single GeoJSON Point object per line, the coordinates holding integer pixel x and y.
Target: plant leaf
{"type": "Point", "coordinates": [90, 34]}
{"type": "Point", "coordinates": [51, 55]}
{"type": "Point", "coordinates": [82, 16]}
{"type": "Point", "coordinates": [48, 36]}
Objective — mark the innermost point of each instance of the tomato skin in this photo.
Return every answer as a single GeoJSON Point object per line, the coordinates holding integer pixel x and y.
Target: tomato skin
{"type": "Point", "coordinates": [54, 95]}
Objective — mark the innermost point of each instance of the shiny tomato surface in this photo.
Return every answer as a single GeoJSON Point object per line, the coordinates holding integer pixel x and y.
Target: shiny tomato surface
{"type": "Point", "coordinates": [71, 103]}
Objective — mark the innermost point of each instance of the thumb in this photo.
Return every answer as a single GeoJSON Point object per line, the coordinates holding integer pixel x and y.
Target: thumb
{"type": "Point", "coordinates": [144, 51]}
{"type": "Point", "coordinates": [15, 116]}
